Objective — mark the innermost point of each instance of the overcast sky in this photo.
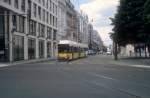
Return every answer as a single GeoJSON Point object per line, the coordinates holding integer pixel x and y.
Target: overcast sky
{"type": "Point", "coordinates": [99, 11]}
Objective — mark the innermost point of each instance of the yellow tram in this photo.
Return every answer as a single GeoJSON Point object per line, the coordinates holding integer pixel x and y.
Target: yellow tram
{"type": "Point", "coordinates": [70, 50]}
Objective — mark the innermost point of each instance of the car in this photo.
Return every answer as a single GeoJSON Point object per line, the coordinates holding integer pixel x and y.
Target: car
{"type": "Point", "coordinates": [108, 53]}
{"type": "Point", "coordinates": [91, 52]}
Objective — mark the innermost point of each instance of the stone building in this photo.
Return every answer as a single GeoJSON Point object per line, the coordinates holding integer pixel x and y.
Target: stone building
{"type": "Point", "coordinates": [28, 29]}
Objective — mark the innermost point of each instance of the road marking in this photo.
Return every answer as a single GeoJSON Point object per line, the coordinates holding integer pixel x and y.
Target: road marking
{"type": "Point", "coordinates": [140, 66]}
{"type": "Point", "coordinates": [119, 81]}
{"type": "Point", "coordinates": [3, 65]}
{"type": "Point", "coordinates": [117, 89]}
{"type": "Point", "coordinates": [102, 76]}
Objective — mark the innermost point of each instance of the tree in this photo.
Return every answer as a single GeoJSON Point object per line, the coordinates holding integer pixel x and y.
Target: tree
{"type": "Point", "coordinates": [146, 17]}
{"type": "Point", "coordinates": [115, 45]}
{"type": "Point", "coordinates": [129, 23]}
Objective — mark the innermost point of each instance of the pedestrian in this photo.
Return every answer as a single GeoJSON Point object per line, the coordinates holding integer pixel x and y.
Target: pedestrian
{"type": "Point", "coordinates": [130, 53]}
{"type": "Point", "coordinates": [68, 59]}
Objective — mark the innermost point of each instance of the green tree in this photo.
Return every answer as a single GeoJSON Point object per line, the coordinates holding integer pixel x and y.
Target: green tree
{"type": "Point", "coordinates": [128, 22]}
{"type": "Point", "coordinates": [146, 17]}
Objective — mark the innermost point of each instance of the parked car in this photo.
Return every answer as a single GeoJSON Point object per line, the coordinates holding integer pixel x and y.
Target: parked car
{"type": "Point", "coordinates": [109, 53]}
{"type": "Point", "coordinates": [91, 52]}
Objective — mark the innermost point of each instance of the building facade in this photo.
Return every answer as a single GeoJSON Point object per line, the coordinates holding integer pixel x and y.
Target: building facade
{"type": "Point", "coordinates": [62, 24]}
{"type": "Point", "coordinates": [67, 24]}
{"type": "Point", "coordinates": [94, 40]}
{"type": "Point", "coordinates": [90, 35]}
{"type": "Point", "coordinates": [71, 17]}
{"type": "Point", "coordinates": [83, 28]}
{"type": "Point", "coordinates": [28, 29]}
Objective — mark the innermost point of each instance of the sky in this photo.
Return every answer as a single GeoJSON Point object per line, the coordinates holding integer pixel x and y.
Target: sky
{"type": "Point", "coordinates": [99, 11]}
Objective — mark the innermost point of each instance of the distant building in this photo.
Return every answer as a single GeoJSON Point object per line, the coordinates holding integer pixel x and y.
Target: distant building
{"type": "Point", "coordinates": [128, 50]}
{"type": "Point", "coordinates": [71, 22]}
{"type": "Point", "coordinates": [83, 28]}
{"type": "Point", "coordinates": [28, 29]}
{"type": "Point", "coordinates": [90, 35]}
{"type": "Point", "coordinates": [94, 40]}
{"type": "Point", "coordinates": [62, 20]}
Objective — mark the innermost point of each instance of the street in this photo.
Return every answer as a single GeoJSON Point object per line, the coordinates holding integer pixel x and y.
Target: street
{"type": "Point", "coordinates": [92, 77]}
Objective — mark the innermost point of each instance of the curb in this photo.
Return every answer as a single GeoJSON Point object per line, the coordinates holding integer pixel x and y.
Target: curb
{"type": "Point", "coordinates": [25, 62]}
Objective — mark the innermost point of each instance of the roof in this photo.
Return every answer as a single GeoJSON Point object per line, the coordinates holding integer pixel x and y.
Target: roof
{"type": "Point", "coordinates": [72, 43]}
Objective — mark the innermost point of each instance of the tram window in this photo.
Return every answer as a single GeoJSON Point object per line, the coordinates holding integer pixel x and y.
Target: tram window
{"type": "Point", "coordinates": [75, 49]}
{"type": "Point", "coordinates": [71, 49]}
{"type": "Point", "coordinates": [63, 48]}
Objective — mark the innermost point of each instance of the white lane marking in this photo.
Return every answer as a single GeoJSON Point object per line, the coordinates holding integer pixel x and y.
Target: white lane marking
{"type": "Point", "coordinates": [120, 81]}
{"type": "Point", "coordinates": [102, 76]}
{"type": "Point", "coordinates": [3, 65]}
{"type": "Point", "coordinates": [105, 77]}
{"type": "Point", "coordinates": [140, 66]}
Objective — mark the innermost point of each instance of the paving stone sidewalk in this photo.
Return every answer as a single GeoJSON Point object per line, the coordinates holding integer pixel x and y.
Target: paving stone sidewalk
{"type": "Point", "coordinates": [133, 61]}
{"type": "Point", "coordinates": [51, 61]}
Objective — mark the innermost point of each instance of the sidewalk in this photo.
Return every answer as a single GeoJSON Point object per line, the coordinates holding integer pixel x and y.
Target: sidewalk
{"type": "Point", "coordinates": [133, 62]}
{"type": "Point", "coordinates": [140, 61]}
{"type": "Point", "coordinates": [26, 62]}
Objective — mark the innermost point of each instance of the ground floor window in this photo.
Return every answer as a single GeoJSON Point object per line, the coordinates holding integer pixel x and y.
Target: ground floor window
{"type": "Point", "coordinates": [18, 48]}
{"type": "Point", "coordinates": [54, 49]}
{"type": "Point", "coordinates": [2, 37]}
{"type": "Point", "coordinates": [41, 49]}
{"type": "Point", "coordinates": [49, 49]}
{"type": "Point", "coordinates": [31, 48]}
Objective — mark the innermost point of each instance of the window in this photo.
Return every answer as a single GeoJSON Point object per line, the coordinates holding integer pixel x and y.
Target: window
{"type": "Point", "coordinates": [47, 19]}
{"type": "Point", "coordinates": [21, 24]}
{"type": "Point", "coordinates": [53, 7]}
{"type": "Point", "coordinates": [63, 48]}
{"type": "Point", "coordinates": [50, 19]}
{"type": "Point", "coordinates": [56, 10]}
{"type": "Point", "coordinates": [16, 5]}
{"type": "Point", "coordinates": [49, 49]}
{"type": "Point", "coordinates": [43, 15]}
{"type": "Point", "coordinates": [31, 48]}
{"type": "Point", "coordinates": [41, 49]}
{"type": "Point", "coordinates": [49, 32]}
{"type": "Point", "coordinates": [50, 5]}
{"type": "Point", "coordinates": [2, 38]}
{"type": "Point", "coordinates": [56, 22]}
{"type": "Point", "coordinates": [39, 12]}
{"type": "Point", "coordinates": [18, 48]}
{"type": "Point", "coordinates": [34, 9]}
{"type": "Point", "coordinates": [43, 1]}
{"type": "Point", "coordinates": [39, 1]}
{"type": "Point", "coordinates": [41, 30]}
{"type": "Point", "coordinates": [47, 4]}
{"type": "Point", "coordinates": [14, 21]}
{"type": "Point", "coordinates": [53, 19]}
{"type": "Point", "coordinates": [23, 5]}
{"type": "Point", "coordinates": [18, 23]}
{"type": "Point", "coordinates": [54, 49]}
{"type": "Point", "coordinates": [32, 28]}
{"type": "Point", "coordinates": [7, 1]}
{"type": "Point", "coordinates": [55, 35]}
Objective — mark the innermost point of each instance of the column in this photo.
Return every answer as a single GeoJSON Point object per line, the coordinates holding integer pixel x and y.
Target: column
{"type": "Point", "coordinates": [10, 39]}
{"type": "Point", "coordinates": [26, 40]}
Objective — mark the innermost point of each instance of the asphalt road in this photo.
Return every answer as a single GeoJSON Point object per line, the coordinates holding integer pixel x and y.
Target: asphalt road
{"type": "Point", "coordinates": [93, 77]}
